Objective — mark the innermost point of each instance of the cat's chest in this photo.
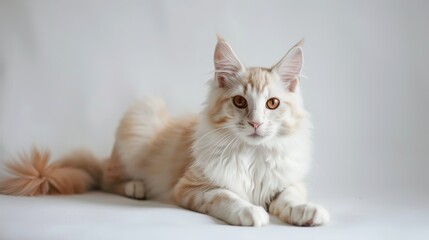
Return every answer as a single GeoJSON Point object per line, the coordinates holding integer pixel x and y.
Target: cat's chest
{"type": "Point", "coordinates": [256, 175]}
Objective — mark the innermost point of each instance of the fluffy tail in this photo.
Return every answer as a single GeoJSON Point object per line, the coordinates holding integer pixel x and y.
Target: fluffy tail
{"type": "Point", "coordinates": [34, 175]}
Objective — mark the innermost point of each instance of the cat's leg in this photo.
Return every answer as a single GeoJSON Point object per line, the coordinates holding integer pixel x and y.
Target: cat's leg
{"type": "Point", "coordinates": [137, 131]}
{"type": "Point", "coordinates": [292, 207]}
{"type": "Point", "coordinates": [195, 193]}
{"type": "Point", "coordinates": [115, 180]}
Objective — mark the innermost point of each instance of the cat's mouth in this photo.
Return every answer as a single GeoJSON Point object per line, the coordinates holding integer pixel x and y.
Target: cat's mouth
{"type": "Point", "coordinates": [255, 135]}
{"type": "Point", "coordinates": [255, 138]}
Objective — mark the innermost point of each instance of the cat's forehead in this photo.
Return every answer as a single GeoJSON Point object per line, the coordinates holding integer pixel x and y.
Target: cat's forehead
{"type": "Point", "coordinates": [257, 80]}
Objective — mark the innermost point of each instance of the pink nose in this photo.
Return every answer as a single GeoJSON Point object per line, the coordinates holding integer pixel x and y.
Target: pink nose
{"type": "Point", "coordinates": [255, 125]}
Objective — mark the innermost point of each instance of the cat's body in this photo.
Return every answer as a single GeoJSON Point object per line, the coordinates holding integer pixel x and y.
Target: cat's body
{"type": "Point", "coordinates": [246, 153]}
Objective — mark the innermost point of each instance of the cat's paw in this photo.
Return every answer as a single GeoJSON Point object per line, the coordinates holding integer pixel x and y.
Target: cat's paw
{"type": "Point", "coordinates": [305, 215]}
{"type": "Point", "coordinates": [251, 216]}
{"type": "Point", "coordinates": [134, 189]}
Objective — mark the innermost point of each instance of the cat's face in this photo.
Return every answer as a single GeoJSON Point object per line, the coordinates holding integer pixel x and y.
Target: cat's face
{"type": "Point", "coordinates": [256, 104]}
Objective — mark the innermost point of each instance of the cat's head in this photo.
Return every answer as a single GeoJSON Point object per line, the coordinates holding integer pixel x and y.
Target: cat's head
{"type": "Point", "coordinates": [256, 104]}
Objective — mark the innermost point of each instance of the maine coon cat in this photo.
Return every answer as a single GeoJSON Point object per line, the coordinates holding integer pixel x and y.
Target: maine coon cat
{"type": "Point", "coordinates": [244, 156]}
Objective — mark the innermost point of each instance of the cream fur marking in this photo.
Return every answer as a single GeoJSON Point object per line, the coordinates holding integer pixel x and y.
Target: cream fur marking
{"type": "Point", "coordinates": [233, 162]}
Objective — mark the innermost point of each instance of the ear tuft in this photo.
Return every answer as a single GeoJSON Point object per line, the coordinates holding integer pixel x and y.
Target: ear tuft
{"type": "Point", "coordinates": [300, 43]}
{"type": "Point", "coordinates": [219, 37]}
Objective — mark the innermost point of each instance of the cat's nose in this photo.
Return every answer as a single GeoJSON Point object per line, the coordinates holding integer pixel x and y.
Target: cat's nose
{"type": "Point", "coordinates": [255, 125]}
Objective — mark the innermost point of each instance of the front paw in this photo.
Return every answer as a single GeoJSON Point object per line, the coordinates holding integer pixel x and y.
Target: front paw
{"type": "Point", "coordinates": [305, 215]}
{"type": "Point", "coordinates": [250, 216]}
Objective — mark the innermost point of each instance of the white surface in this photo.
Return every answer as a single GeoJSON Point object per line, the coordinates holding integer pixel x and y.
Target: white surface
{"type": "Point", "coordinates": [68, 70]}
{"type": "Point", "coordinates": [103, 216]}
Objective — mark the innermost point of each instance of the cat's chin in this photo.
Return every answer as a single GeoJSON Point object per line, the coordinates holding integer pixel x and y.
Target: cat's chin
{"type": "Point", "coordinates": [254, 139]}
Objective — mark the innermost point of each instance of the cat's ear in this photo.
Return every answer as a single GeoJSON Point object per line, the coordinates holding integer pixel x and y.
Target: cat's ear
{"type": "Point", "coordinates": [227, 65]}
{"type": "Point", "coordinates": [290, 66]}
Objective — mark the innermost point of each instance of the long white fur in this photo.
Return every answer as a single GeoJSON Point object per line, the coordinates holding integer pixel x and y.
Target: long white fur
{"type": "Point", "coordinates": [277, 162]}
{"type": "Point", "coordinates": [264, 174]}
{"type": "Point", "coordinates": [230, 169]}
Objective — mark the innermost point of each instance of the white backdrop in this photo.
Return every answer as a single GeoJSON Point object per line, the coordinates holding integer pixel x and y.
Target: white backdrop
{"type": "Point", "coordinates": [69, 69]}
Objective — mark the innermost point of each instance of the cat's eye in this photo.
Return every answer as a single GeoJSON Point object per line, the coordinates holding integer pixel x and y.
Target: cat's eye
{"type": "Point", "coordinates": [239, 101]}
{"type": "Point", "coordinates": [273, 103]}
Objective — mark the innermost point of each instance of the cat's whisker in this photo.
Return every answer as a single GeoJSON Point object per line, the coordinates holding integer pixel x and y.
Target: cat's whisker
{"type": "Point", "coordinates": [209, 132]}
{"type": "Point", "coordinates": [233, 142]}
{"type": "Point", "coordinates": [233, 146]}
{"type": "Point", "coordinates": [215, 148]}
{"type": "Point", "coordinates": [226, 147]}
{"type": "Point", "coordinates": [217, 142]}
{"type": "Point", "coordinates": [210, 143]}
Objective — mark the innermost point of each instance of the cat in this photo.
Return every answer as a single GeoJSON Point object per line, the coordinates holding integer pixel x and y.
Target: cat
{"type": "Point", "coordinates": [244, 156]}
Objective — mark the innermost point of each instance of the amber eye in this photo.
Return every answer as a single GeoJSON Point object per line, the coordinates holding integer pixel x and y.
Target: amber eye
{"type": "Point", "coordinates": [273, 103]}
{"type": "Point", "coordinates": [239, 101]}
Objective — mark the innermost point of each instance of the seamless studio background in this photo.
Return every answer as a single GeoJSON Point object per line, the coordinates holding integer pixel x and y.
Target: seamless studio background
{"type": "Point", "coordinates": [69, 69]}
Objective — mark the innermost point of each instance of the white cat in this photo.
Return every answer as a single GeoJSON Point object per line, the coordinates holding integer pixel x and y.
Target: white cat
{"type": "Point", "coordinates": [245, 155]}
